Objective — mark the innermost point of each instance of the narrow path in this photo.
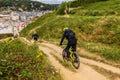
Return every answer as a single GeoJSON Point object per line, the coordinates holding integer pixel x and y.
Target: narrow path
{"type": "Point", "coordinates": [87, 61]}
{"type": "Point", "coordinates": [84, 73]}
{"type": "Point", "coordinates": [32, 30]}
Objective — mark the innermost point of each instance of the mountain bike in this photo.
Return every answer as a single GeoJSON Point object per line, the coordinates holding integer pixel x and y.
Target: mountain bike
{"type": "Point", "coordinates": [74, 58]}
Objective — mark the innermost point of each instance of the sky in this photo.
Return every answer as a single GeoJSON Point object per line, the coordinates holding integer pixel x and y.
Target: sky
{"type": "Point", "coordinates": [52, 1]}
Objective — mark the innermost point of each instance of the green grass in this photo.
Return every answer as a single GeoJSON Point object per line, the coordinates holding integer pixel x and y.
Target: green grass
{"type": "Point", "coordinates": [99, 9]}
{"type": "Point", "coordinates": [2, 36]}
{"type": "Point", "coordinates": [109, 52]}
{"type": "Point", "coordinates": [97, 29]}
{"type": "Point", "coordinates": [20, 61]}
{"type": "Point", "coordinates": [37, 23]}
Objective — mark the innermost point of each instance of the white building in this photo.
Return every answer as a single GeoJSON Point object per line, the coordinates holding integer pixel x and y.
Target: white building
{"type": "Point", "coordinates": [14, 16]}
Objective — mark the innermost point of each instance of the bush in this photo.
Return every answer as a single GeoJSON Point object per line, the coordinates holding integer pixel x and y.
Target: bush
{"type": "Point", "coordinates": [75, 4]}
{"type": "Point", "coordinates": [5, 35]}
{"type": "Point", "coordinates": [61, 9]}
{"type": "Point", "coordinates": [18, 61]}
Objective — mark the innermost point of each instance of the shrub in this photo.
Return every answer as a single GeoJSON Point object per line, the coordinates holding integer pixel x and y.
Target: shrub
{"type": "Point", "coordinates": [5, 35]}
{"type": "Point", "coordinates": [18, 61]}
{"type": "Point", "coordinates": [61, 9]}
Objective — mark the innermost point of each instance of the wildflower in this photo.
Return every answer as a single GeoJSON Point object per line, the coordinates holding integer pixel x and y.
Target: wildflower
{"type": "Point", "coordinates": [40, 54]}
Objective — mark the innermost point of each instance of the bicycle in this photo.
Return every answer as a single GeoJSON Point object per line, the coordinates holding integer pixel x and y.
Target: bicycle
{"type": "Point", "coordinates": [74, 58]}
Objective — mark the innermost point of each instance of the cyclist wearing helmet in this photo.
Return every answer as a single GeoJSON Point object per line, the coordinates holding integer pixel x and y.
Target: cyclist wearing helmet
{"type": "Point", "coordinates": [72, 41]}
{"type": "Point", "coordinates": [35, 36]}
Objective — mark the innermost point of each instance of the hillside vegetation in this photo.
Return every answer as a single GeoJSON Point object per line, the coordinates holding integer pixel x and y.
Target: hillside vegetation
{"type": "Point", "coordinates": [2, 36]}
{"type": "Point", "coordinates": [19, 61]}
{"type": "Point", "coordinates": [106, 8]}
{"type": "Point", "coordinates": [27, 5]}
{"type": "Point", "coordinates": [97, 27]}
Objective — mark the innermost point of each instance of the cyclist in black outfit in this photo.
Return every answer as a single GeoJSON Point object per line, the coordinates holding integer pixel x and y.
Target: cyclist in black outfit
{"type": "Point", "coordinates": [72, 41]}
{"type": "Point", "coordinates": [35, 36]}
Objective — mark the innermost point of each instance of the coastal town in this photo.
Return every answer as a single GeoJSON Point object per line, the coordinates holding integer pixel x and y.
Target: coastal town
{"type": "Point", "coordinates": [11, 21]}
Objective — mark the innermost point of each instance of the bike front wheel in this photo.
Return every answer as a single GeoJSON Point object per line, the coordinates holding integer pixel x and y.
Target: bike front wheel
{"type": "Point", "coordinates": [76, 61]}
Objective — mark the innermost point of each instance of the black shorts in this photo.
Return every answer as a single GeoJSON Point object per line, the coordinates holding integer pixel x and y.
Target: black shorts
{"type": "Point", "coordinates": [35, 39]}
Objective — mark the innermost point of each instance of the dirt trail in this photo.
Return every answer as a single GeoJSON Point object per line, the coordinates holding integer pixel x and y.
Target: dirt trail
{"type": "Point", "coordinates": [85, 72]}
{"type": "Point", "coordinates": [87, 61]}
{"type": "Point", "coordinates": [33, 30]}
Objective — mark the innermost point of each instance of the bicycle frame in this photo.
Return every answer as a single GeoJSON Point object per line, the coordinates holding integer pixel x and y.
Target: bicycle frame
{"type": "Point", "coordinates": [74, 58]}
{"type": "Point", "coordinates": [71, 55]}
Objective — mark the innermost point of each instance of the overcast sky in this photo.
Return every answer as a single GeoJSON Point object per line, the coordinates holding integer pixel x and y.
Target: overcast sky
{"type": "Point", "coordinates": [52, 1]}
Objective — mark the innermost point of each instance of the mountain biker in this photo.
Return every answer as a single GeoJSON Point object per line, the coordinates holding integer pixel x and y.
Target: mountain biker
{"type": "Point", "coordinates": [35, 36]}
{"type": "Point", "coordinates": [72, 41]}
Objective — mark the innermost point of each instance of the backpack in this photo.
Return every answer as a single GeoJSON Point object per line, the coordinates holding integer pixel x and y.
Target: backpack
{"type": "Point", "coordinates": [71, 34]}
{"type": "Point", "coordinates": [35, 35]}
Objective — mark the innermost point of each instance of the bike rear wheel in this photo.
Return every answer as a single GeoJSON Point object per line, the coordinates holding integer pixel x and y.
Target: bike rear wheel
{"type": "Point", "coordinates": [76, 61]}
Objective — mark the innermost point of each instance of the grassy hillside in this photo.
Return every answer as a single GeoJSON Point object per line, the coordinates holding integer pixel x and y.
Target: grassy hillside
{"type": "Point", "coordinates": [96, 27]}
{"type": "Point", "coordinates": [19, 61]}
{"type": "Point", "coordinates": [110, 7]}
{"type": "Point", "coordinates": [2, 36]}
